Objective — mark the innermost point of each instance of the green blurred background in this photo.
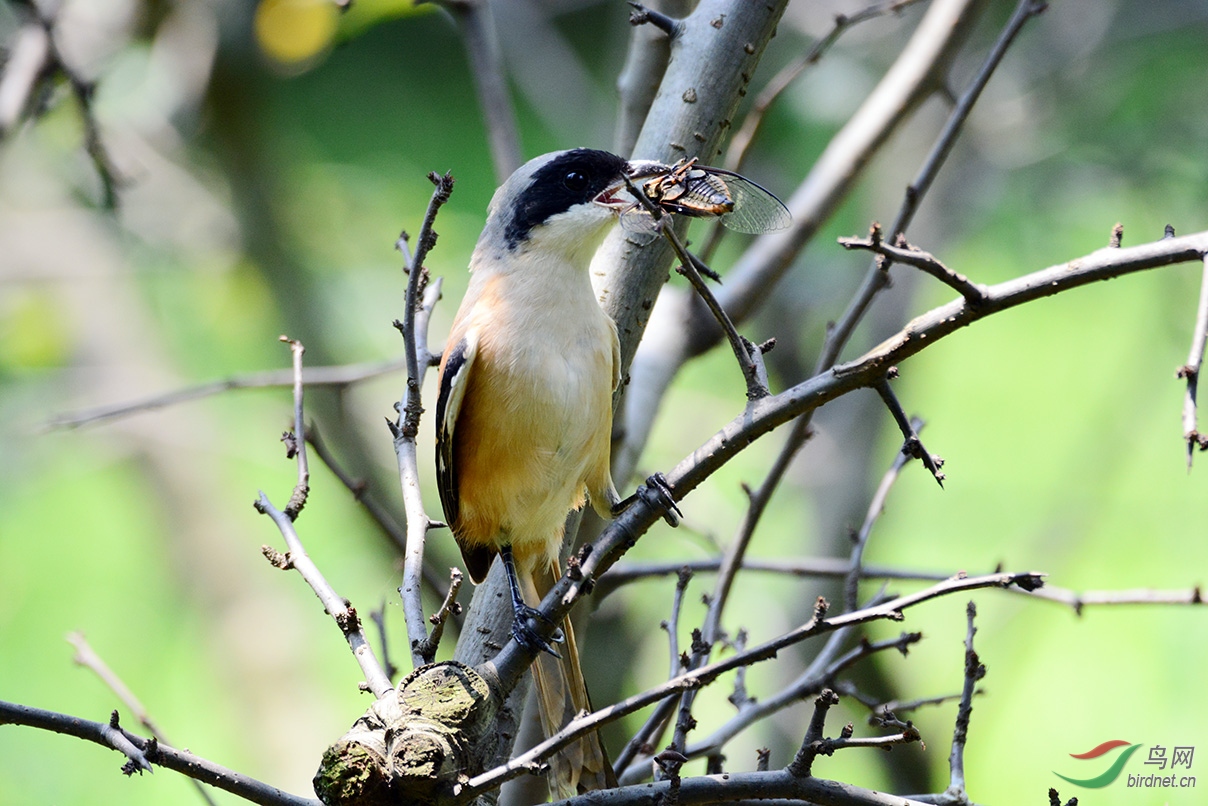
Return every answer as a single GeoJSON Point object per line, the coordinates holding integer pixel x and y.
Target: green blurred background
{"type": "Point", "coordinates": [264, 198]}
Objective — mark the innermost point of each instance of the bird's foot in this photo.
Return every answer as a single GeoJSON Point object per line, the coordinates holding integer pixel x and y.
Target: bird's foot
{"type": "Point", "coordinates": [656, 492]}
{"type": "Point", "coordinates": [528, 637]}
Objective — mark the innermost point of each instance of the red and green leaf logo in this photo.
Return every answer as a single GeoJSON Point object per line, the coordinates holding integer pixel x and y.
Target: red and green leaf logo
{"type": "Point", "coordinates": [1108, 775]}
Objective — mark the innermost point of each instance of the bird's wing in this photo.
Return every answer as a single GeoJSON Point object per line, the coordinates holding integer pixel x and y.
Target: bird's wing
{"type": "Point", "coordinates": [616, 355]}
{"type": "Point", "coordinates": [454, 378]}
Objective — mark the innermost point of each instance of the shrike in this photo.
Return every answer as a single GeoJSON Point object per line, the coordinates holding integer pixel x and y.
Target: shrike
{"type": "Point", "coordinates": [524, 413]}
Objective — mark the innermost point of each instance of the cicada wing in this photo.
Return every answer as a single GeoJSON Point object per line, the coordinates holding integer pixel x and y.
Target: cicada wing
{"type": "Point", "coordinates": [756, 209]}
{"type": "Point", "coordinates": [639, 225]}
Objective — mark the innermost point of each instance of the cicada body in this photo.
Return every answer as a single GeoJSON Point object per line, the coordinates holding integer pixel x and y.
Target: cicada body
{"type": "Point", "coordinates": [703, 192]}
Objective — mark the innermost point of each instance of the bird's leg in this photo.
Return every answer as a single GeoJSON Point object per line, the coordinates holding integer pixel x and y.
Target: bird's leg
{"type": "Point", "coordinates": [657, 493]}
{"type": "Point", "coordinates": [525, 635]}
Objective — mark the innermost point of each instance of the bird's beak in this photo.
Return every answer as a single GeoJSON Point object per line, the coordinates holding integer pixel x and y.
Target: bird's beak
{"type": "Point", "coordinates": [644, 169]}
{"type": "Point", "coordinates": [616, 197]}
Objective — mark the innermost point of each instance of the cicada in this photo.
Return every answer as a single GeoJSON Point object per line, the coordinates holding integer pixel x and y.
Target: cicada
{"type": "Point", "coordinates": [686, 188]}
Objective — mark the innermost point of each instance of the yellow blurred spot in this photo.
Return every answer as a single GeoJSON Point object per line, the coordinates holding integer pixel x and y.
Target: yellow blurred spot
{"type": "Point", "coordinates": [32, 335]}
{"type": "Point", "coordinates": [293, 32]}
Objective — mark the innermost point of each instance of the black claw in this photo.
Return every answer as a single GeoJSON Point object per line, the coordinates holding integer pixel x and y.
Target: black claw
{"type": "Point", "coordinates": [657, 493]}
{"type": "Point", "coordinates": [529, 638]}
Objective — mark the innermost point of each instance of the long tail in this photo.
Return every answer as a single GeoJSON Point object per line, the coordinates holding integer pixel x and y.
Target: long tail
{"type": "Point", "coordinates": [583, 765]}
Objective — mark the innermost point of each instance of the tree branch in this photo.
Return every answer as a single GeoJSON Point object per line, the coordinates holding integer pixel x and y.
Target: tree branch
{"type": "Point", "coordinates": [1191, 371]}
{"type": "Point", "coordinates": [297, 442]}
{"type": "Point", "coordinates": [508, 667]}
{"type": "Point", "coordinates": [912, 446]}
{"type": "Point", "coordinates": [28, 62]}
{"type": "Point", "coordinates": [449, 607]}
{"type": "Point", "coordinates": [743, 787]}
{"type": "Point", "coordinates": [87, 657]}
{"type": "Point", "coordinates": [645, 63]}
{"type": "Point", "coordinates": [903, 252]}
{"type": "Point", "coordinates": [161, 755]}
{"type": "Point", "coordinates": [405, 429]}
{"type": "Point", "coordinates": [975, 670]}
{"type": "Point", "coordinates": [625, 573]}
{"type": "Point", "coordinates": [486, 66]}
{"type": "Point", "coordinates": [338, 608]}
{"type": "Point", "coordinates": [342, 375]}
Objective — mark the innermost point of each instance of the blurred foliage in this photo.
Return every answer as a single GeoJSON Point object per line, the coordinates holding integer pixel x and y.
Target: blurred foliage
{"type": "Point", "coordinates": [267, 173]}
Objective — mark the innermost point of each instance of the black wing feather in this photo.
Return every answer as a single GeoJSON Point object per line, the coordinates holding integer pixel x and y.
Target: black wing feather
{"type": "Point", "coordinates": [448, 402]}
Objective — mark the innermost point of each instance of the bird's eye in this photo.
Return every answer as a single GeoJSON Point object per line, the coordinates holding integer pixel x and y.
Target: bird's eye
{"type": "Point", "coordinates": [575, 181]}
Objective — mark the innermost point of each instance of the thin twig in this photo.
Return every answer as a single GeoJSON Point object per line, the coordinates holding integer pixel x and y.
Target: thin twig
{"type": "Point", "coordinates": [739, 698]}
{"type": "Point", "coordinates": [650, 734]}
{"type": "Point", "coordinates": [903, 252]}
{"type": "Point", "coordinates": [83, 91]}
{"type": "Point", "coordinates": [449, 607]}
{"type": "Point", "coordinates": [815, 744]}
{"type": "Point", "coordinates": [297, 444]}
{"type": "Point", "coordinates": [975, 670]}
{"type": "Point", "coordinates": [675, 666]}
{"type": "Point", "coordinates": [646, 739]}
{"type": "Point", "coordinates": [1191, 372]}
{"type": "Point", "coordinates": [343, 375]}
{"type": "Point", "coordinates": [625, 573]}
{"type": "Point", "coordinates": [405, 429]}
{"type": "Point", "coordinates": [885, 712]}
{"type": "Point", "coordinates": [337, 607]}
{"type": "Point", "coordinates": [161, 755]}
{"type": "Point", "coordinates": [833, 567]}
{"type": "Point", "coordinates": [641, 15]}
{"type": "Point", "coordinates": [378, 616]}
{"type": "Point", "coordinates": [87, 657]}
{"type": "Point", "coordinates": [804, 759]}
{"type": "Point", "coordinates": [912, 446]}
{"type": "Point", "coordinates": [876, 507]}
{"type": "Point", "coordinates": [1140, 596]}
{"type": "Point", "coordinates": [757, 504]}
{"type": "Point", "coordinates": [777, 787]}
{"type": "Point", "coordinates": [690, 267]}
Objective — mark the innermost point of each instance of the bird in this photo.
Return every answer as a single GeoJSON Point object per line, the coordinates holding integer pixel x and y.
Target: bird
{"type": "Point", "coordinates": [524, 409]}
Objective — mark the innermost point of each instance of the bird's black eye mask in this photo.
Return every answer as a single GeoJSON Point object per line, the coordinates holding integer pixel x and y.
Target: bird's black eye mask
{"type": "Point", "coordinates": [574, 177]}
